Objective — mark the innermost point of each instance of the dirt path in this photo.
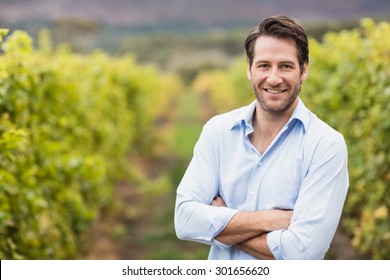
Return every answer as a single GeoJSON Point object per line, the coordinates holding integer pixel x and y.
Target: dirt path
{"type": "Point", "coordinates": [108, 239]}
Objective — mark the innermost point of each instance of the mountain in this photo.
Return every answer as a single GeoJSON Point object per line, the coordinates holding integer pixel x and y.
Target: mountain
{"type": "Point", "coordinates": [202, 13]}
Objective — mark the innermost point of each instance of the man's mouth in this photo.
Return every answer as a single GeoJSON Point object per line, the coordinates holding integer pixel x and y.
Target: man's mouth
{"type": "Point", "coordinates": [274, 91]}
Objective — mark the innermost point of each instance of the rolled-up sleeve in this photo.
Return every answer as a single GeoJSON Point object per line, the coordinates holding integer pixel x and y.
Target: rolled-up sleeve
{"type": "Point", "coordinates": [195, 218]}
{"type": "Point", "coordinates": [319, 205]}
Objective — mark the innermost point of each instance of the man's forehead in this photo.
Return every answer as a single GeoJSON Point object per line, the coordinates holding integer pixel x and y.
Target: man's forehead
{"type": "Point", "coordinates": [282, 48]}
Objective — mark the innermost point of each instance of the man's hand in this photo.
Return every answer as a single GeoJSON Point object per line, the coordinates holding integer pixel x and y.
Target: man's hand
{"type": "Point", "coordinates": [218, 202]}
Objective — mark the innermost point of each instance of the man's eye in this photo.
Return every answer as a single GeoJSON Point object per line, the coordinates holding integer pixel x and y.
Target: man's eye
{"type": "Point", "coordinates": [286, 66]}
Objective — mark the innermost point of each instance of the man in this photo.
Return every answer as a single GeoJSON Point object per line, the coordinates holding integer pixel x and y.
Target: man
{"type": "Point", "coordinates": [269, 180]}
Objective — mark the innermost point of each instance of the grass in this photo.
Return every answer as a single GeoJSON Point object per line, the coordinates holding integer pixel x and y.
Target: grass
{"type": "Point", "coordinates": [188, 127]}
{"type": "Point", "coordinates": [161, 235]}
{"type": "Point", "coordinates": [158, 238]}
{"type": "Point", "coordinates": [185, 139]}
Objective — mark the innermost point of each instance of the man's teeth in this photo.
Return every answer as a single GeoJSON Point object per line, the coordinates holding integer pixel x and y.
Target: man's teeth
{"type": "Point", "coordinates": [274, 91]}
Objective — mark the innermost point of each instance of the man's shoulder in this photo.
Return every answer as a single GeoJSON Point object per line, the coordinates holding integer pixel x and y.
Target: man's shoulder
{"type": "Point", "coordinates": [324, 132]}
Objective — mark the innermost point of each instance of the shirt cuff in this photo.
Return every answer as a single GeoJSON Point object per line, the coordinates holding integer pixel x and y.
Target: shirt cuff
{"type": "Point", "coordinates": [274, 244]}
{"type": "Point", "coordinates": [219, 219]}
{"type": "Point", "coordinates": [220, 245]}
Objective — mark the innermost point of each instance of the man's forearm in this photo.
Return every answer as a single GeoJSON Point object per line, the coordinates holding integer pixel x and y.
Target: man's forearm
{"type": "Point", "coordinates": [243, 226]}
{"type": "Point", "coordinates": [256, 247]}
{"type": "Point", "coordinates": [248, 224]}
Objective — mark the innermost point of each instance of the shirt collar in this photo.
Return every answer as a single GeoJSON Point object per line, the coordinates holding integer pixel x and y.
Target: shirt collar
{"type": "Point", "coordinates": [245, 117]}
{"type": "Point", "coordinates": [300, 113]}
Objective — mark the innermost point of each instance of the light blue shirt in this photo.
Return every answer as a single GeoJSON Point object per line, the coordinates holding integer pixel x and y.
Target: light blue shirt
{"type": "Point", "coordinates": [304, 169]}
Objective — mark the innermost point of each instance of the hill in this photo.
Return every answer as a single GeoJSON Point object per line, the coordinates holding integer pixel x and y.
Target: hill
{"type": "Point", "coordinates": [201, 13]}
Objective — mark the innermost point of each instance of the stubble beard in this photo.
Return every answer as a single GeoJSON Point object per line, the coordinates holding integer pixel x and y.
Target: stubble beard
{"type": "Point", "coordinates": [283, 107]}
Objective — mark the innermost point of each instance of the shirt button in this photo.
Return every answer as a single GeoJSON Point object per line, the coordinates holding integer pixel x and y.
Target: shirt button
{"type": "Point", "coordinates": [260, 163]}
{"type": "Point", "coordinates": [252, 193]}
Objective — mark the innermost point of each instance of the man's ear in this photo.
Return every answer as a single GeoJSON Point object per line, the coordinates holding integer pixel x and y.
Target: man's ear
{"type": "Point", "coordinates": [305, 72]}
{"type": "Point", "coordinates": [248, 72]}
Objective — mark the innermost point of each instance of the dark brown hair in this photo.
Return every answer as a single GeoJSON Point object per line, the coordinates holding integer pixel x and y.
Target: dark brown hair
{"type": "Point", "coordinates": [279, 27]}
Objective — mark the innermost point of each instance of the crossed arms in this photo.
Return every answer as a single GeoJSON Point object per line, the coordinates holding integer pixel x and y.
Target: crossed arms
{"type": "Point", "coordinates": [247, 230]}
{"type": "Point", "coordinates": [317, 199]}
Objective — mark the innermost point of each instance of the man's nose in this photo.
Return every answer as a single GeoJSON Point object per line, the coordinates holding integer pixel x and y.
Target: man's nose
{"type": "Point", "coordinates": [274, 78]}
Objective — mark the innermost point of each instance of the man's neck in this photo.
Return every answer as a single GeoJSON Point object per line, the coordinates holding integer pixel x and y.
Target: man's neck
{"type": "Point", "coordinates": [267, 125]}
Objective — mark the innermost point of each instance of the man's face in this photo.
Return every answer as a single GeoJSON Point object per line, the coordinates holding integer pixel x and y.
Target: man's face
{"type": "Point", "coordinates": [275, 74]}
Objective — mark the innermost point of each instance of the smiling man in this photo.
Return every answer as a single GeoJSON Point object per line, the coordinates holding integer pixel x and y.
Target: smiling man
{"type": "Point", "coordinates": [269, 180]}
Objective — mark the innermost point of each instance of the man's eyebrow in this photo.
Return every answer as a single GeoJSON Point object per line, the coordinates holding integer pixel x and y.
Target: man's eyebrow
{"type": "Point", "coordinates": [287, 62]}
{"type": "Point", "coordinates": [261, 61]}
{"type": "Point", "coordinates": [280, 62]}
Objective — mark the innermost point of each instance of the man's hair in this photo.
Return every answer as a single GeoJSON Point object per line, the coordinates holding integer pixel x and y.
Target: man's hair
{"type": "Point", "coordinates": [279, 27]}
